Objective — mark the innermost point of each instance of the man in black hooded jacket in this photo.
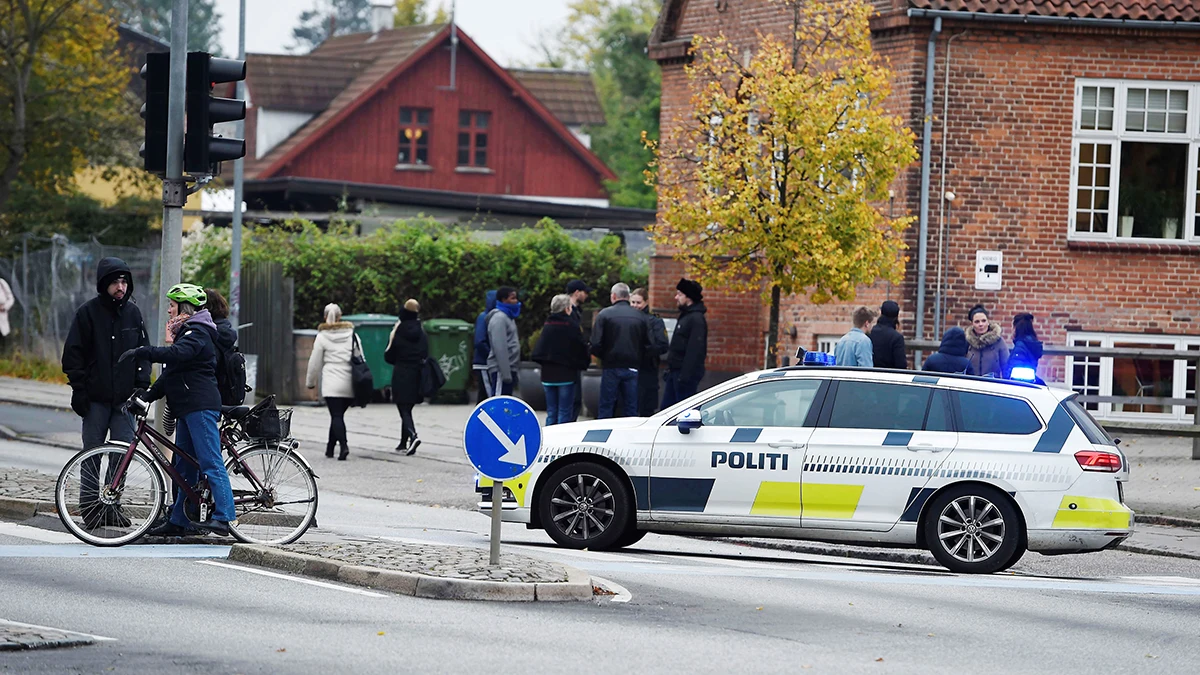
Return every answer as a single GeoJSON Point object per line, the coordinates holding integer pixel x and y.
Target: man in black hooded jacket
{"type": "Point", "coordinates": [104, 328]}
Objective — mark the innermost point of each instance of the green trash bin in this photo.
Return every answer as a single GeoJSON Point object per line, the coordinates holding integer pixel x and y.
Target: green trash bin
{"type": "Point", "coordinates": [373, 331]}
{"type": "Point", "coordinates": [450, 344]}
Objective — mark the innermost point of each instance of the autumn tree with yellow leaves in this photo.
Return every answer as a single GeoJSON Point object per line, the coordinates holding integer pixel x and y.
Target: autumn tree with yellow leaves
{"type": "Point", "coordinates": [63, 95]}
{"type": "Point", "coordinates": [773, 180]}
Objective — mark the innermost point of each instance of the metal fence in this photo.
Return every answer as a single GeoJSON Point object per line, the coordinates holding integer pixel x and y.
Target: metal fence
{"type": "Point", "coordinates": [50, 284]}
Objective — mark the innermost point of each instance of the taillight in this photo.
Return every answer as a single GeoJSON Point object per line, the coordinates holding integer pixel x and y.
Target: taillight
{"type": "Point", "coordinates": [1098, 460]}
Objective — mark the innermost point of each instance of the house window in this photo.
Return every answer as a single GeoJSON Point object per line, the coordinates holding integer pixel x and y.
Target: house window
{"type": "Point", "coordinates": [414, 135]}
{"type": "Point", "coordinates": [473, 138]}
{"type": "Point", "coordinates": [1108, 376]}
{"type": "Point", "coordinates": [825, 343]}
{"type": "Point", "coordinates": [1134, 166]}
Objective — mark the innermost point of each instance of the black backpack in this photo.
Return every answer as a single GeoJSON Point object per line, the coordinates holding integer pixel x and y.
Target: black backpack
{"type": "Point", "coordinates": [231, 376]}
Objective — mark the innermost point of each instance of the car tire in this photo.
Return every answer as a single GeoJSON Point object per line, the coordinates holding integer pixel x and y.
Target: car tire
{"type": "Point", "coordinates": [585, 505]}
{"type": "Point", "coordinates": [973, 529]}
{"type": "Point", "coordinates": [632, 536]}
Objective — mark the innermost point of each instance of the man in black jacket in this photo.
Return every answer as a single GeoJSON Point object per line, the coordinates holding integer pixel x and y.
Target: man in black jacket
{"type": "Point", "coordinates": [104, 328]}
{"type": "Point", "coordinates": [578, 291]}
{"type": "Point", "coordinates": [620, 337]}
{"type": "Point", "coordinates": [689, 345]}
{"type": "Point", "coordinates": [648, 372]}
{"type": "Point", "coordinates": [887, 344]}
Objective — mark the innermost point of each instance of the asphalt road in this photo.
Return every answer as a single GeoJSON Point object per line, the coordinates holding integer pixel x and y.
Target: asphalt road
{"type": "Point", "coordinates": [31, 420]}
{"type": "Point", "coordinates": [692, 605]}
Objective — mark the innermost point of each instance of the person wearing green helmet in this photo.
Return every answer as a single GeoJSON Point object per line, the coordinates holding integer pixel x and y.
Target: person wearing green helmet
{"type": "Point", "coordinates": [189, 381]}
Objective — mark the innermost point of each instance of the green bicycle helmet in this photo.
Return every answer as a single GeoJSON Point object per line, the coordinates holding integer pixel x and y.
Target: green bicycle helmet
{"type": "Point", "coordinates": [189, 293]}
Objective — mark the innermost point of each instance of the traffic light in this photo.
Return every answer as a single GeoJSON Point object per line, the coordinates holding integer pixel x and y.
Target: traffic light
{"type": "Point", "coordinates": [157, 73]}
{"type": "Point", "coordinates": [203, 152]}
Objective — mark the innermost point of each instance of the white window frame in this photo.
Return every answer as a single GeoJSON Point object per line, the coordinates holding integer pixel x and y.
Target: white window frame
{"type": "Point", "coordinates": [1116, 137]}
{"type": "Point", "coordinates": [1179, 376]}
{"type": "Point", "coordinates": [829, 341]}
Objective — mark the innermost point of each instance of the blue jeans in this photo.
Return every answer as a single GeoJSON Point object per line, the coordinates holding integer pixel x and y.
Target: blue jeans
{"type": "Point", "coordinates": [197, 435]}
{"type": "Point", "coordinates": [676, 390]}
{"type": "Point", "coordinates": [560, 399]}
{"type": "Point", "coordinates": [614, 383]}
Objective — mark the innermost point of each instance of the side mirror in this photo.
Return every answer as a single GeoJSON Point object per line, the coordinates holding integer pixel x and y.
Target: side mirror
{"type": "Point", "coordinates": [690, 419]}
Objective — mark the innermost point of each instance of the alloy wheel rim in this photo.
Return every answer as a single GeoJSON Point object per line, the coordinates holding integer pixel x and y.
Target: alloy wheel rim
{"type": "Point", "coordinates": [971, 529]}
{"type": "Point", "coordinates": [582, 507]}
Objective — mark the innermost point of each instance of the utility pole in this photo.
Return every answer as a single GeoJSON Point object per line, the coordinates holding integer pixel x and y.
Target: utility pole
{"type": "Point", "coordinates": [174, 187]}
{"type": "Point", "coordinates": [235, 261]}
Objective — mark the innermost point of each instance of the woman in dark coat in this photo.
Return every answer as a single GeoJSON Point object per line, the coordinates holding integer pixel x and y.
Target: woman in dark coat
{"type": "Point", "coordinates": [1026, 351]}
{"type": "Point", "coordinates": [407, 350]}
{"type": "Point", "coordinates": [951, 356]}
{"type": "Point", "coordinates": [562, 353]}
{"type": "Point", "coordinates": [988, 353]}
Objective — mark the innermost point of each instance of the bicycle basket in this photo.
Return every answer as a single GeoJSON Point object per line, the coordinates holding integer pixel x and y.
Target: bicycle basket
{"type": "Point", "coordinates": [268, 422]}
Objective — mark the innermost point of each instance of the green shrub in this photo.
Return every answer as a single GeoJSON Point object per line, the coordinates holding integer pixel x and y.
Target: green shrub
{"type": "Point", "coordinates": [447, 269]}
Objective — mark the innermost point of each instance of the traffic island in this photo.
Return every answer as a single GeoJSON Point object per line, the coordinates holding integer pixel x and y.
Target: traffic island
{"type": "Point", "coordinates": [15, 636]}
{"type": "Point", "coordinates": [425, 570]}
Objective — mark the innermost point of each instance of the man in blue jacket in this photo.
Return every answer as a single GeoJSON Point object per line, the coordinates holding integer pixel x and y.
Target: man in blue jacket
{"type": "Point", "coordinates": [483, 349]}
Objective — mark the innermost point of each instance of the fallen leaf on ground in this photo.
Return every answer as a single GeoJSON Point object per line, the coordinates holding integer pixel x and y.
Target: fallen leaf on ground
{"type": "Point", "coordinates": [878, 659]}
{"type": "Point", "coordinates": [381, 633]}
{"type": "Point", "coordinates": [1151, 656]}
{"type": "Point", "coordinates": [281, 650]}
{"type": "Point", "coordinates": [931, 635]}
{"type": "Point", "coordinates": [758, 608]}
{"type": "Point", "coordinates": [420, 480]}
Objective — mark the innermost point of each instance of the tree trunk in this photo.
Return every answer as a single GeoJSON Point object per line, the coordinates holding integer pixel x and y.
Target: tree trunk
{"type": "Point", "coordinates": [773, 329]}
{"type": "Point", "coordinates": [17, 142]}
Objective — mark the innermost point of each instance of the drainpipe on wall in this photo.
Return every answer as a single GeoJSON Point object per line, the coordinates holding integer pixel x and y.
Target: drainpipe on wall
{"type": "Point", "coordinates": [926, 149]}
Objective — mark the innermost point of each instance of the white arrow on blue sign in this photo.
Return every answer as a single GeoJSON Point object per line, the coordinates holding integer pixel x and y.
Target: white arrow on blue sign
{"type": "Point", "coordinates": [502, 437]}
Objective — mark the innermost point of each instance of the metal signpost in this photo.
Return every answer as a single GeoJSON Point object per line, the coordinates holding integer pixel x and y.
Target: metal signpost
{"type": "Point", "coordinates": [502, 439]}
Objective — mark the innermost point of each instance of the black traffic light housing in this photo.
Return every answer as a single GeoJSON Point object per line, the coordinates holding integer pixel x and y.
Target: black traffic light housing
{"type": "Point", "coordinates": [157, 73]}
{"type": "Point", "coordinates": [203, 152]}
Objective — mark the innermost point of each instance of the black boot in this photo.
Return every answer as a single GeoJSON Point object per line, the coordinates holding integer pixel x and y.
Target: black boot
{"type": "Point", "coordinates": [329, 448]}
{"type": "Point", "coordinates": [344, 453]}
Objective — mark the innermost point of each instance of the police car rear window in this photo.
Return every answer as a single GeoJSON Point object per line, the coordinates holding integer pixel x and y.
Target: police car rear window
{"type": "Point", "coordinates": [1094, 432]}
{"type": "Point", "coordinates": [988, 414]}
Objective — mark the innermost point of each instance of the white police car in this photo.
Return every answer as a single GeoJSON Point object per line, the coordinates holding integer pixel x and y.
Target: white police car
{"type": "Point", "coordinates": [976, 470]}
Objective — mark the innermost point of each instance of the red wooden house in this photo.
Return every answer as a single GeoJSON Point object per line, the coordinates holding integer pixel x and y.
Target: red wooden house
{"type": "Point", "coordinates": [423, 108]}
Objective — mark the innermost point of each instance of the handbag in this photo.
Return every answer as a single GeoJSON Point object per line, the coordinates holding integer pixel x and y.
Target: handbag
{"type": "Point", "coordinates": [361, 379]}
{"type": "Point", "coordinates": [432, 378]}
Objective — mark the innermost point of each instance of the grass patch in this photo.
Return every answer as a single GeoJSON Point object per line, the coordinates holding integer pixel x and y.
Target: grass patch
{"type": "Point", "coordinates": [29, 368]}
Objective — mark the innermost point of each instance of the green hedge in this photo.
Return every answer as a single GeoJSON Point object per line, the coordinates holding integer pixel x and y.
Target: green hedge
{"type": "Point", "coordinates": [445, 268]}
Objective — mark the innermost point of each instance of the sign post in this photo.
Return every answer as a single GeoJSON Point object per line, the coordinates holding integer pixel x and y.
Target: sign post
{"type": "Point", "coordinates": [502, 439]}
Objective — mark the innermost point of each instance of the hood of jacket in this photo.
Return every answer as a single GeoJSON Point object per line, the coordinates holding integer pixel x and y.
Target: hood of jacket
{"type": "Point", "coordinates": [987, 339]}
{"type": "Point", "coordinates": [337, 333]}
{"type": "Point", "coordinates": [888, 321]}
{"type": "Point", "coordinates": [340, 325]}
{"type": "Point", "coordinates": [559, 319]}
{"type": "Point", "coordinates": [226, 335]}
{"type": "Point", "coordinates": [695, 307]}
{"type": "Point", "coordinates": [954, 342]}
{"type": "Point", "coordinates": [491, 301]}
{"type": "Point", "coordinates": [1034, 347]}
{"type": "Point", "coordinates": [107, 270]}
{"type": "Point", "coordinates": [202, 318]}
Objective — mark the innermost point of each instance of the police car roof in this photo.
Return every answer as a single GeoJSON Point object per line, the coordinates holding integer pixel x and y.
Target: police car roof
{"type": "Point", "coordinates": [910, 373]}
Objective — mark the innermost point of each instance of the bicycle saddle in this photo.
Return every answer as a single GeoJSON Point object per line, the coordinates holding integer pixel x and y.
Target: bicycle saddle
{"type": "Point", "coordinates": [235, 412]}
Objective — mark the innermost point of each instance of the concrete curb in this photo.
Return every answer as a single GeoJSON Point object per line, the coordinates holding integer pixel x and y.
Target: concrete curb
{"type": "Point", "coordinates": [13, 508]}
{"type": "Point", "coordinates": [1169, 521]}
{"type": "Point", "coordinates": [912, 557]}
{"type": "Point", "coordinates": [578, 586]}
{"type": "Point", "coordinates": [1165, 552]}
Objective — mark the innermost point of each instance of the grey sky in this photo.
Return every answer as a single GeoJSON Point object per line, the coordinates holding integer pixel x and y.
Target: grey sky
{"type": "Point", "coordinates": [505, 29]}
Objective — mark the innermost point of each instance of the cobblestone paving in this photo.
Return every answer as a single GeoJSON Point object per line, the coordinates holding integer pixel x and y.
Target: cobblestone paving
{"type": "Point", "coordinates": [453, 562]}
{"type": "Point", "coordinates": [16, 636]}
{"type": "Point", "coordinates": [24, 484]}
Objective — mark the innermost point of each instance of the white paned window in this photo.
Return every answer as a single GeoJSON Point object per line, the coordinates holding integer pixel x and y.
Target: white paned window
{"type": "Point", "coordinates": [1134, 170]}
{"type": "Point", "coordinates": [825, 343]}
{"type": "Point", "coordinates": [1107, 376]}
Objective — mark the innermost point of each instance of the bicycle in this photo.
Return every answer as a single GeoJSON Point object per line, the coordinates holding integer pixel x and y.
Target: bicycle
{"type": "Point", "coordinates": [274, 489]}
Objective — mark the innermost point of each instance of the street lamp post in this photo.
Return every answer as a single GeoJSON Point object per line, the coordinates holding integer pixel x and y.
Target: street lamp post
{"type": "Point", "coordinates": [947, 203]}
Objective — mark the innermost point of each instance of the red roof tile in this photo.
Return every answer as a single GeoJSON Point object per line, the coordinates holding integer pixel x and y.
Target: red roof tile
{"type": "Point", "coordinates": [1142, 10]}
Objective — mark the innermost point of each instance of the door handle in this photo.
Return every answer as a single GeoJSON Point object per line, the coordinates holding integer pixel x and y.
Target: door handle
{"type": "Point", "coordinates": [926, 447]}
{"type": "Point", "coordinates": [787, 444]}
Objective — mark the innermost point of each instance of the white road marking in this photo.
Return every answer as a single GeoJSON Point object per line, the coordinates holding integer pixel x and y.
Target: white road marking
{"type": "Point", "coordinates": [301, 580]}
{"type": "Point", "coordinates": [99, 638]}
{"type": "Point", "coordinates": [37, 534]}
{"type": "Point", "coordinates": [133, 551]}
{"type": "Point", "coordinates": [620, 593]}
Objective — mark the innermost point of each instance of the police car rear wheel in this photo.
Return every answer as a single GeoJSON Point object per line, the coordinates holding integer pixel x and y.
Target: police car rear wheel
{"type": "Point", "coordinates": [585, 505]}
{"type": "Point", "coordinates": [972, 529]}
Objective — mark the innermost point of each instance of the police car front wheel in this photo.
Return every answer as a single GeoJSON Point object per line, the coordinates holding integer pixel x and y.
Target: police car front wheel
{"type": "Point", "coordinates": [585, 505]}
{"type": "Point", "coordinates": [973, 529]}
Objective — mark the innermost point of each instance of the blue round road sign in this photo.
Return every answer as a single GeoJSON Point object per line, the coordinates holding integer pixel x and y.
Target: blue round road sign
{"type": "Point", "coordinates": [502, 437]}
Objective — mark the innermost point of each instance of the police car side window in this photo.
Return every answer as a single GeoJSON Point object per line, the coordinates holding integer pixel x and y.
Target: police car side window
{"type": "Point", "coordinates": [988, 414]}
{"type": "Point", "coordinates": [938, 418]}
{"type": "Point", "coordinates": [877, 405]}
{"type": "Point", "coordinates": [777, 403]}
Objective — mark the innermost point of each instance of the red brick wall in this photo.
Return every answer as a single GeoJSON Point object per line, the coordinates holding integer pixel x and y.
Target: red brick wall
{"type": "Point", "coordinates": [1009, 163]}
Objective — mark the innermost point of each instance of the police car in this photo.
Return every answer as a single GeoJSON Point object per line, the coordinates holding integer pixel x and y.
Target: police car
{"type": "Point", "coordinates": [976, 470]}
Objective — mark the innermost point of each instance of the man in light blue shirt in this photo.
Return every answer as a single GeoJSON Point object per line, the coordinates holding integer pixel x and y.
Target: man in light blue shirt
{"type": "Point", "coordinates": [855, 349]}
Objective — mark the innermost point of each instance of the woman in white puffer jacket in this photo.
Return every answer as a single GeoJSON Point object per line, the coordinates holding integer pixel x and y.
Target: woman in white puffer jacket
{"type": "Point", "coordinates": [331, 357]}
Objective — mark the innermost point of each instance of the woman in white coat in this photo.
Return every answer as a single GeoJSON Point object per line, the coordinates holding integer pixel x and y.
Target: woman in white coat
{"type": "Point", "coordinates": [331, 357]}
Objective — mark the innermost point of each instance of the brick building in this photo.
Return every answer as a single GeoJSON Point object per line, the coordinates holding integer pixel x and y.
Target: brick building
{"type": "Point", "coordinates": [1069, 131]}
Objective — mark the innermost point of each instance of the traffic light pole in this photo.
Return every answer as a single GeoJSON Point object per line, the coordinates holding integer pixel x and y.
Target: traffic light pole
{"type": "Point", "coordinates": [174, 187]}
{"type": "Point", "coordinates": [235, 262]}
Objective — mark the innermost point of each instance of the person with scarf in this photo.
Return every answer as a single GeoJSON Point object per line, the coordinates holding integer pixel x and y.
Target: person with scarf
{"type": "Point", "coordinates": [506, 343]}
{"type": "Point", "coordinates": [988, 354]}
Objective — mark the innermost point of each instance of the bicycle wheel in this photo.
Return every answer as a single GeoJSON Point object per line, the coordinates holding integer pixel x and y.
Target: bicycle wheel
{"type": "Point", "coordinates": [279, 503]}
{"type": "Point", "coordinates": [96, 512]}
